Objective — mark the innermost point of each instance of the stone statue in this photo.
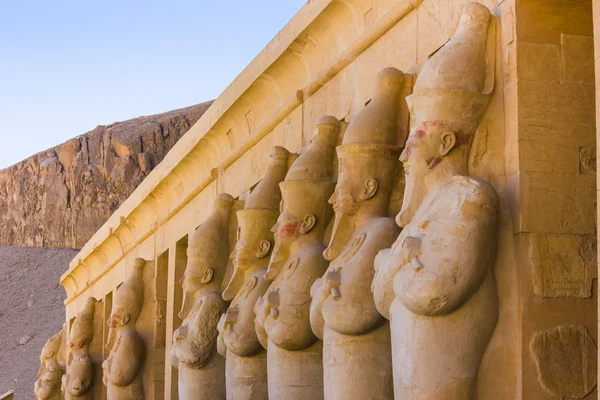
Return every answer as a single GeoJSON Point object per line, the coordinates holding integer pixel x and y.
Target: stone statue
{"type": "Point", "coordinates": [246, 363]}
{"type": "Point", "coordinates": [356, 339]}
{"type": "Point", "coordinates": [294, 354]}
{"type": "Point", "coordinates": [50, 374]}
{"type": "Point", "coordinates": [123, 367]}
{"type": "Point", "coordinates": [194, 351]}
{"type": "Point", "coordinates": [77, 382]}
{"type": "Point", "coordinates": [436, 282]}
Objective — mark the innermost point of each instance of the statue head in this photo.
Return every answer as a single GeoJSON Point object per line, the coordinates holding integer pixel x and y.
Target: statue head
{"type": "Point", "coordinates": [52, 346]}
{"type": "Point", "coordinates": [446, 108]}
{"type": "Point", "coordinates": [207, 250]}
{"type": "Point", "coordinates": [128, 300]}
{"type": "Point", "coordinates": [307, 187]}
{"type": "Point", "coordinates": [82, 329]}
{"type": "Point", "coordinates": [254, 237]}
{"type": "Point", "coordinates": [367, 161]}
{"type": "Point", "coordinates": [48, 381]}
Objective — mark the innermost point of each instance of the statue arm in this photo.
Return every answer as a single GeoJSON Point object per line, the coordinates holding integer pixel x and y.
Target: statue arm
{"type": "Point", "coordinates": [354, 311]}
{"type": "Point", "coordinates": [454, 258]}
{"type": "Point", "coordinates": [383, 282]}
{"type": "Point", "coordinates": [221, 347]}
{"type": "Point", "coordinates": [173, 354]}
{"type": "Point", "coordinates": [259, 322]}
{"type": "Point", "coordinates": [317, 322]}
{"type": "Point", "coordinates": [198, 346]}
{"type": "Point", "coordinates": [241, 339]}
{"type": "Point", "coordinates": [126, 361]}
{"type": "Point", "coordinates": [239, 331]}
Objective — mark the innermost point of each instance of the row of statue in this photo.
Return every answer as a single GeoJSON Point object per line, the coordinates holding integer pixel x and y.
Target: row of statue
{"type": "Point", "coordinates": [388, 309]}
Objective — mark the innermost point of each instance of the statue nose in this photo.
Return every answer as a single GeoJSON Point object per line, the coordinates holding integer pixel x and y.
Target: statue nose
{"type": "Point", "coordinates": [404, 156]}
{"type": "Point", "coordinates": [332, 198]}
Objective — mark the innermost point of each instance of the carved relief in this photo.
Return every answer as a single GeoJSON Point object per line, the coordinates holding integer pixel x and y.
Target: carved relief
{"type": "Point", "coordinates": [587, 160]}
{"type": "Point", "coordinates": [565, 358]}
{"type": "Point", "coordinates": [436, 284]}
{"type": "Point", "coordinates": [343, 312]}
{"type": "Point", "coordinates": [563, 265]}
{"type": "Point", "coordinates": [78, 380]}
{"type": "Point", "coordinates": [282, 315]}
{"type": "Point", "coordinates": [194, 351]}
{"type": "Point", "coordinates": [51, 371]}
{"type": "Point", "coordinates": [123, 367]}
{"type": "Point", "coordinates": [246, 363]}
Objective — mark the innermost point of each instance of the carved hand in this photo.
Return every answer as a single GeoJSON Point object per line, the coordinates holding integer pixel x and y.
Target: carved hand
{"type": "Point", "coordinates": [105, 368]}
{"type": "Point", "coordinates": [221, 348]}
{"type": "Point", "coordinates": [411, 250]}
{"type": "Point", "coordinates": [181, 333]}
{"type": "Point", "coordinates": [332, 282]}
{"type": "Point", "coordinates": [231, 316]}
{"type": "Point", "coordinates": [272, 303]}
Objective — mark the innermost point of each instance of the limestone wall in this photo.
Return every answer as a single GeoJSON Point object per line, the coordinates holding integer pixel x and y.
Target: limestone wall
{"type": "Point", "coordinates": [533, 147]}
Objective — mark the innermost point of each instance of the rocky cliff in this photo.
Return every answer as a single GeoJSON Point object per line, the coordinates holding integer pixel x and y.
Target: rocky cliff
{"type": "Point", "coordinates": [60, 197]}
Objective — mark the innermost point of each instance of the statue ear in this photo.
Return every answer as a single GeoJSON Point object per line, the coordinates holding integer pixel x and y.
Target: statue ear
{"type": "Point", "coordinates": [371, 186]}
{"type": "Point", "coordinates": [263, 249]}
{"type": "Point", "coordinates": [125, 319]}
{"type": "Point", "coordinates": [308, 223]}
{"type": "Point", "coordinates": [448, 142]}
{"type": "Point", "coordinates": [207, 275]}
{"type": "Point", "coordinates": [80, 343]}
{"type": "Point", "coordinates": [50, 354]}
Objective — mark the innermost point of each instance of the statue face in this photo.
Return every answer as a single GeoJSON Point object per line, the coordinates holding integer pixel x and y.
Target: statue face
{"type": "Point", "coordinates": [425, 148]}
{"type": "Point", "coordinates": [422, 151]}
{"type": "Point", "coordinates": [249, 248]}
{"type": "Point", "coordinates": [191, 283]}
{"type": "Point", "coordinates": [118, 317]}
{"type": "Point", "coordinates": [344, 198]}
{"type": "Point", "coordinates": [287, 227]}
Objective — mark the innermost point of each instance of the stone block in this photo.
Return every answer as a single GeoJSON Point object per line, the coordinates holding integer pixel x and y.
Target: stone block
{"type": "Point", "coordinates": [556, 203]}
{"type": "Point", "coordinates": [538, 61]}
{"type": "Point", "coordinates": [577, 58]}
{"type": "Point", "coordinates": [562, 265]}
{"type": "Point", "coordinates": [557, 105]}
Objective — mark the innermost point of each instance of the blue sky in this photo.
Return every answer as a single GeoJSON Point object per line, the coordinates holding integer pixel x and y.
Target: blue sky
{"type": "Point", "coordinates": [68, 66]}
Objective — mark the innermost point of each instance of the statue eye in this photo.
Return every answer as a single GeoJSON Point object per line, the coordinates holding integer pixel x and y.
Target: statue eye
{"type": "Point", "coordinates": [239, 231]}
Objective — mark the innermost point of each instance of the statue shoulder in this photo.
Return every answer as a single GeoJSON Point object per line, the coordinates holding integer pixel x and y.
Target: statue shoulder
{"type": "Point", "coordinates": [473, 190]}
{"type": "Point", "coordinates": [311, 253]}
{"type": "Point", "coordinates": [383, 227]}
{"type": "Point", "coordinates": [214, 298]}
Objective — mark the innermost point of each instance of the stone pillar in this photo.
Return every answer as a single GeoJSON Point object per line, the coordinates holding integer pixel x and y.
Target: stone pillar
{"type": "Point", "coordinates": [551, 173]}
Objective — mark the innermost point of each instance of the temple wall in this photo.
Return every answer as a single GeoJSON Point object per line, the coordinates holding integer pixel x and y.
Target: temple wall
{"type": "Point", "coordinates": [551, 179]}
{"type": "Point", "coordinates": [533, 147]}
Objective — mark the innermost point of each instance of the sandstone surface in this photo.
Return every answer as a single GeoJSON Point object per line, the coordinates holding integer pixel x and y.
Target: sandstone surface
{"type": "Point", "coordinates": [58, 198]}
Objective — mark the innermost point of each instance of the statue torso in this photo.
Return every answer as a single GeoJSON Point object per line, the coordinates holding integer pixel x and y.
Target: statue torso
{"type": "Point", "coordinates": [355, 312]}
{"type": "Point", "coordinates": [290, 327]}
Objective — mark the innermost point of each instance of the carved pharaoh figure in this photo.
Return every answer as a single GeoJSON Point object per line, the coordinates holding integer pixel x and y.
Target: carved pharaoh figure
{"type": "Point", "coordinates": [194, 351]}
{"type": "Point", "coordinates": [123, 367]}
{"type": "Point", "coordinates": [356, 340]}
{"type": "Point", "coordinates": [51, 371]}
{"type": "Point", "coordinates": [246, 361]}
{"type": "Point", "coordinates": [436, 282]}
{"type": "Point", "coordinates": [77, 382]}
{"type": "Point", "coordinates": [294, 354]}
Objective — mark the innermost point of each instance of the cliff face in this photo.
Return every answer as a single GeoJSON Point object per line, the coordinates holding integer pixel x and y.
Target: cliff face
{"type": "Point", "coordinates": [60, 197]}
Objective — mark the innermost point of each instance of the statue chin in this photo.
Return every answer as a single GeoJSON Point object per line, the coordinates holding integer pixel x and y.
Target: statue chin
{"type": "Point", "coordinates": [281, 253]}
{"type": "Point", "coordinates": [343, 228]}
{"type": "Point", "coordinates": [414, 193]}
